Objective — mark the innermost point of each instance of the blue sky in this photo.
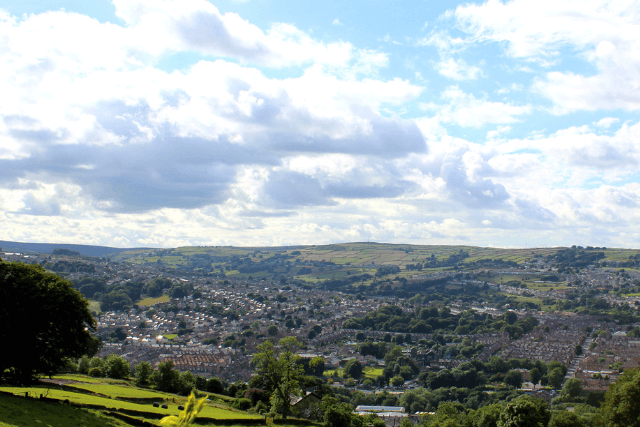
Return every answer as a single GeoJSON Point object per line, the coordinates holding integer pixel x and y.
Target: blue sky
{"type": "Point", "coordinates": [164, 123]}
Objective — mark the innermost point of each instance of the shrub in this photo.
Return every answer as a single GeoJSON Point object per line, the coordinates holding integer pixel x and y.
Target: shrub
{"type": "Point", "coordinates": [96, 372]}
{"type": "Point", "coordinates": [242, 404]}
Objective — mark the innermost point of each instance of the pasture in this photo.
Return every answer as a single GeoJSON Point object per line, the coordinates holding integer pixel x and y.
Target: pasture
{"type": "Point", "coordinates": [81, 398]}
{"type": "Point", "coordinates": [152, 301]}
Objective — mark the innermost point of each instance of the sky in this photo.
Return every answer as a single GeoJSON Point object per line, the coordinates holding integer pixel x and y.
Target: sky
{"type": "Point", "coordinates": [159, 123]}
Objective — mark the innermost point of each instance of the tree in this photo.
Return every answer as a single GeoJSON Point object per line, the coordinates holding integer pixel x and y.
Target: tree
{"type": "Point", "coordinates": [49, 322]}
{"type": "Point", "coordinates": [214, 385]}
{"type": "Point", "coordinates": [117, 367]}
{"type": "Point", "coordinates": [513, 378]}
{"type": "Point", "coordinates": [83, 365]}
{"type": "Point", "coordinates": [555, 377]}
{"type": "Point", "coordinates": [488, 416]}
{"type": "Point", "coordinates": [353, 369]}
{"type": "Point", "coordinates": [565, 419]}
{"type": "Point", "coordinates": [336, 413]}
{"type": "Point", "coordinates": [620, 407]}
{"type": "Point", "coordinates": [525, 411]}
{"type": "Point", "coordinates": [510, 317]}
{"type": "Point", "coordinates": [535, 375]}
{"type": "Point", "coordinates": [143, 371]}
{"type": "Point", "coordinates": [572, 388]}
{"type": "Point", "coordinates": [154, 287]}
{"type": "Point", "coordinates": [278, 369]}
{"type": "Point", "coordinates": [397, 381]}
{"type": "Point", "coordinates": [186, 383]}
{"type": "Point", "coordinates": [168, 378]}
{"type": "Point", "coordinates": [316, 366]}
{"type": "Point", "coordinates": [272, 330]}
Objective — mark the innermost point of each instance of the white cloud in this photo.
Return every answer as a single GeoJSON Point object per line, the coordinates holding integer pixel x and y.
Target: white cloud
{"type": "Point", "coordinates": [99, 146]}
{"type": "Point", "coordinates": [197, 25]}
{"type": "Point", "coordinates": [457, 69]}
{"type": "Point", "coordinates": [603, 33]}
{"type": "Point", "coordinates": [606, 122]}
{"type": "Point", "coordinates": [466, 110]}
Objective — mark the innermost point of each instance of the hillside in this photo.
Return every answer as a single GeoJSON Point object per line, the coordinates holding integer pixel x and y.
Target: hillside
{"type": "Point", "coordinates": [47, 248]}
{"type": "Point", "coordinates": [101, 402]}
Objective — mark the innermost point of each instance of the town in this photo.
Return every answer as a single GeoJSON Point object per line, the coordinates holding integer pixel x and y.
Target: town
{"type": "Point", "coordinates": [211, 324]}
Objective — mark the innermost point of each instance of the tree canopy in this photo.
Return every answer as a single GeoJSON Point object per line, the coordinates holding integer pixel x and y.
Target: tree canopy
{"type": "Point", "coordinates": [621, 406]}
{"type": "Point", "coordinates": [279, 371]}
{"type": "Point", "coordinates": [45, 321]}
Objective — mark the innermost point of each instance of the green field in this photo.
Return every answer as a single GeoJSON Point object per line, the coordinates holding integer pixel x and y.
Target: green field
{"type": "Point", "coordinates": [83, 378]}
{"type": "Point", "coordinates": [152, 301]}
{"type": "Point", "coordinates": [16, 412]}
{"type": "Point", "coordinates": [207, 411]}
{"type": "Point", "coordinates": [351, 258]}
{"type": "Point", "coordinates": [94, 306]}
{"type": "Point", "coordinates": [372, 372]}
{"type": "Point", "coordinates": [120, 391]}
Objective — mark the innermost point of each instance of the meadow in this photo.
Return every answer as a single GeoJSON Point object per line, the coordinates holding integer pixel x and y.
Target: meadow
{"type": "Point", "coordinates": [18, 412]}
{"type": "Point", "coordinates": [106, 395]}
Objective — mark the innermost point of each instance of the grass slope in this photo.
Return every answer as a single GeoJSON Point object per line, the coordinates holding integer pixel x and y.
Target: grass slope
{"type": "Point", "coordinates": [207, 411]}
{"type": "Point", "coordinates": [18, 412]}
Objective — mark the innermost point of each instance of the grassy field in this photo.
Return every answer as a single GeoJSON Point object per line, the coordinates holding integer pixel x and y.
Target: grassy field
{"type": "Point", "coordinates": [15, 412]}
{"type": "Point", "coordinates": [152, 301]}
{"type": "Point", "coordinates": [372, 372]}
{"type": "Point", "coordinates": [120, 391]}
{"type": "Point", "coordinates": [208, 411]}
{"type": "Point", "coordinates": [95, 306]}
{"type": "Point", "coordinates": [83, 378]}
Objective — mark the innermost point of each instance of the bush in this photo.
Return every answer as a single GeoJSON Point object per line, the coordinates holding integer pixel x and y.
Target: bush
{"type": "Point", "coordinates": [242, 404]}
{"type": "Point", "coordinates": [96, 372]}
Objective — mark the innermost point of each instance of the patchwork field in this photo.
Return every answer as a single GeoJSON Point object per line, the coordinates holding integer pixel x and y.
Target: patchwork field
{"type": "Point", "coordinates": [337, 261]}
{"type": "Point", "coordinates": [104, 393]}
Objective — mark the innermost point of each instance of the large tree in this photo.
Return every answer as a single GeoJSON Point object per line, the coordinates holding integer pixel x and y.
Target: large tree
{"type": "Point", "coordinates": [621, 406]}
{"type": "Point", "coordinates": [45, 322]}
{"type": "Point", "coordinates": [525, 411]}
{"type": "Point", "coordinates": [278, 369]}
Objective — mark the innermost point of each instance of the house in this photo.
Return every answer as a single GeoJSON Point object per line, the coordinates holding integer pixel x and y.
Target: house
{"type": "Point", "coordinates": [308, 405]}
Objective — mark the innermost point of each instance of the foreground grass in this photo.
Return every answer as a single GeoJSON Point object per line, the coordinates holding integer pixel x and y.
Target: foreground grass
{"type": "Point", "coordinates": [18, 412]}
{"type": "Point", "coordinates": [207, 411]}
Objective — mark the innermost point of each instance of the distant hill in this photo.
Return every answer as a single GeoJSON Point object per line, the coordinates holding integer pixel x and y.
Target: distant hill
{"type": "Point", "coordinates": [47, 248]}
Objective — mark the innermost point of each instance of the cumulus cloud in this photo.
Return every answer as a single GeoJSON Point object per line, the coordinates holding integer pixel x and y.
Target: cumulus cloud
{"type": "Point", "coordinates": [136, 138]}
{"type": "Point", "coordinates": [275, 136]}
{"type": "Point", "coordinates": [464, 109]}
{"type": "Point", "coordinates": [458, 69]}
{"type": "Point", "coordinates": [604, 34]}
{"type": "Point", "coordinates": [199, 26]}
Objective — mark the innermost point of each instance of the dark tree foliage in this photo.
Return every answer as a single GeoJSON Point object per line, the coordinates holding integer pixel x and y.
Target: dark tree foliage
{"type": "Point", "coordinates": [429, 319]}
{"type": "Point", "coordinates": [66, 252]}
{"type": "Point", "coordinates": [154, 287]}
{"type": "Point", "coordinates": [620, 406]}
{"type": "Point", "coordinates": [45, 321]}
{"type": "Point", "coordinates": [88, 286]}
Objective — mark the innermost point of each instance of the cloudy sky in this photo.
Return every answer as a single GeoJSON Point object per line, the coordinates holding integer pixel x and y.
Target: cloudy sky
{"type": "Point", "coordinates": [164, 123]}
